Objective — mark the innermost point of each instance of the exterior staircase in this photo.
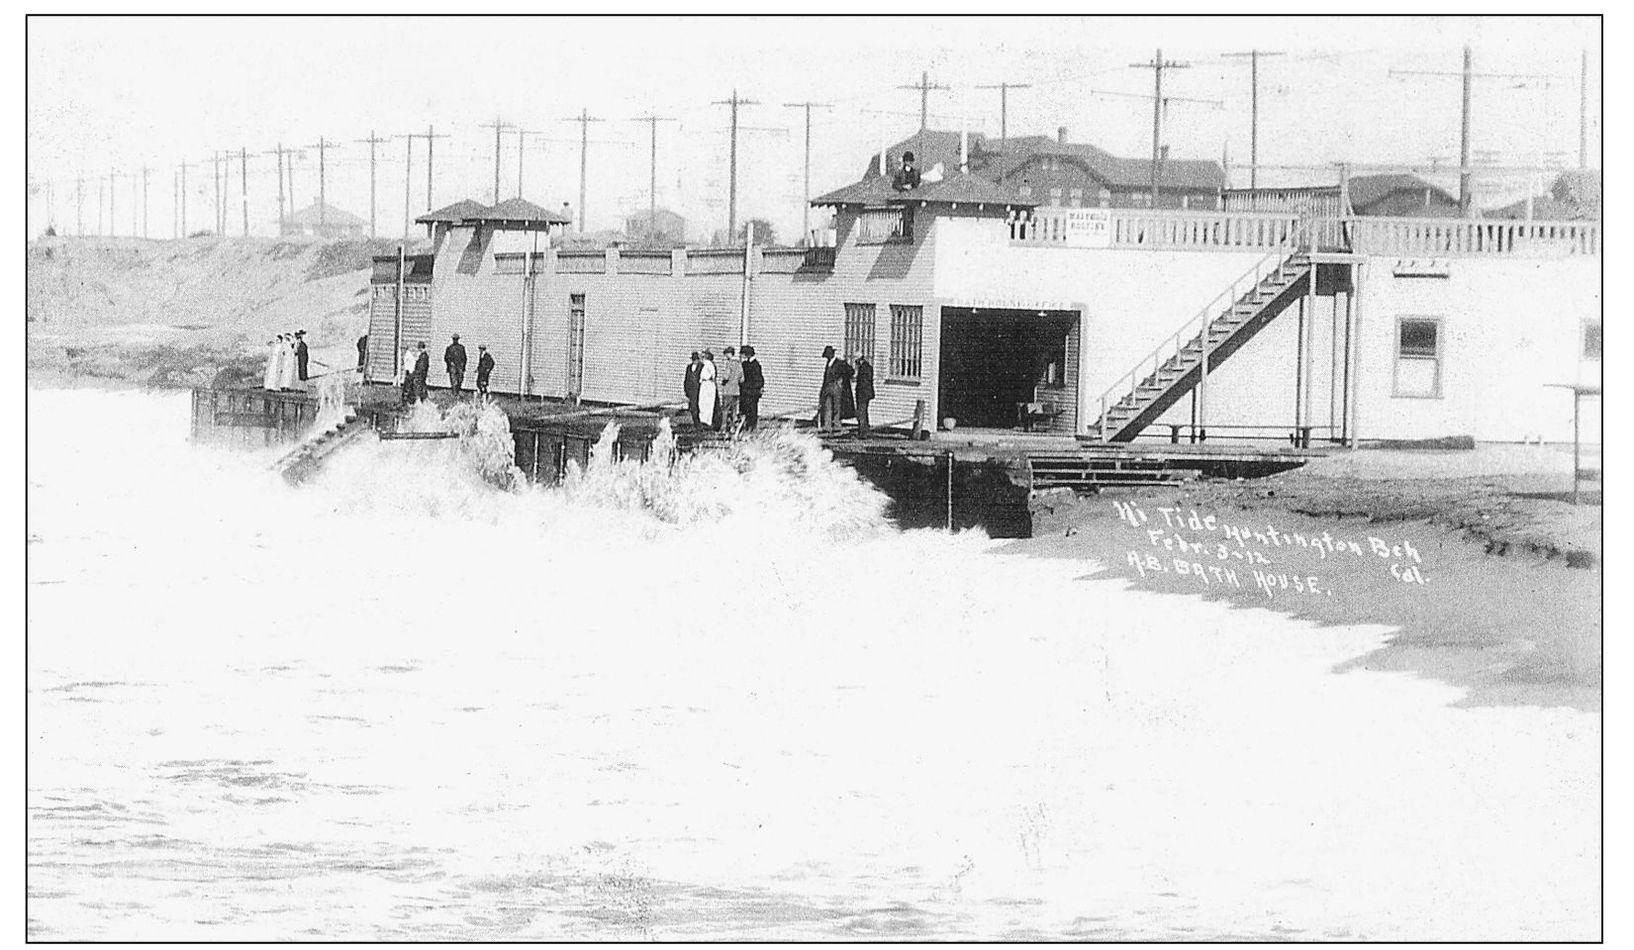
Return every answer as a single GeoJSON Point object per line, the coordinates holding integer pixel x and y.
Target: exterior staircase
{"type": "Point", "coordinates": [1169, 372]}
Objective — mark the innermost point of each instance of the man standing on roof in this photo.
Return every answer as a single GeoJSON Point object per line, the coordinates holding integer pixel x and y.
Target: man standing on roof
{"type": "Point", "coordinates": [754, 383]}
{"type": "Point", "coordinates": [301, 356]}
{"type": "Point", "coordinates": [454, 362]}
{"type": "Point", "coordinates": [906, 177]}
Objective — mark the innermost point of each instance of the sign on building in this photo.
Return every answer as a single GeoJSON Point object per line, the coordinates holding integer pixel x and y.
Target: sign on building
{"type": "Point", "coordinates": [1089, 227]}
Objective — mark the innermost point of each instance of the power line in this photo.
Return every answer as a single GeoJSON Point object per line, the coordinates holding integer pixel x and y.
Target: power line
{"type": "Point", "coordinates": [372, 141]}
{"type": "Point", "coordinates": [805, 202]}
{"type": "Point", "coordinates": [584, 118]}
{"type": "Point", "coordinates": [732, 201]}
{"type": "Point", "coordinates": [1004, 115]}
{"type": "Point", "coordinates": [652, 188]}
{"type": "Point", "coordinates": [1157, 66]}
{"type": "Point", "coordinates": [1253, 56]}
{"type": "Point", "coordinates": [925, 86]}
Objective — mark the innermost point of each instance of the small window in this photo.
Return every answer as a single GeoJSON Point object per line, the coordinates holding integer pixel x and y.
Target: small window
{"type": "Point", "coordinates": [1591, 339]}
{"type": "Point", "coordinates": [1105, 196]}
{"type": "Point", "coordinates": [1075, 193]}
{"type": "Point", "coordinates": [1025, 191]}
{"type": "Point", "coordinates": [1418, 357]}
{"type": "Point", "coordinates": [859, 329]}
{"type": "Point", "coordinates": [1055, 196]}
{"type": "Point", "coordinates": [907, 328]}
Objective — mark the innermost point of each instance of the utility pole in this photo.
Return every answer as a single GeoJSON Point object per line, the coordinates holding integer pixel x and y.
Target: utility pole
{"type": "Point", "coordinates": [278, 151]}
{"type": "Point", "coordinates": [1468, 75]}
{"type": "Point", "coordinates": [323, 198]}
{"type": "Point", "coordinates": [805, 204]}
{"type": "Point", "coordinates": [1157, 66]}
{"type": "Point", "coordinates": [925, 86]}
{"type": "Point", "coordinates": [732, 199]}
{"type": "Point", "coordinates": [431, 165]}
{"type": "Point", "coordinates": [584, 118]}
{"type": "Point", "coordinates": [112, 228]}
{"type": "Point", "coordinates": [244, 186]}
{"type": "Point", "coordinates": [408, 179]}
{"type": "Point", "coordinates": [215, 176]}
{"type": "Point", "coordinates": [521, 148]}
{"type": "Point", "coordinates": [175, 205]}
{"type": "Point", "coordinates": [652, 185]}
{"type": "Point", "coordinates": [498, 126]}
{"type": "Point", "coordinates": [372, 141]}
{"type": "Point", "coordinates": [1583, 115]}
{"type": "Point", "coordinates": [1004, 115]}
{"type": "Point", "coordinates": [1254, 109]}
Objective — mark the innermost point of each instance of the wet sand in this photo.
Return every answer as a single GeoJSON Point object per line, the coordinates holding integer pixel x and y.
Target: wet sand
{"type": "Point", "coordinates": [1495, 586]}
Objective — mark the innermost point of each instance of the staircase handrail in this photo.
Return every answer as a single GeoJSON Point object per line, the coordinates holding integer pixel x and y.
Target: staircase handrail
{"type": "Point", "coordinates": [1171, 347]}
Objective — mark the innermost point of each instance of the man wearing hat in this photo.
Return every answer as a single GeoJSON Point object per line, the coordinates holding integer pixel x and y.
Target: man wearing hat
{"type": "Point", "coordinates": [731, 385]}
{"type": "Point", "coordinates": [754, 383]}
{"type": "Point", "coordinates": [300, 357]}
{"type": "Point", "coordinates": [831, 399]}
{"type": "Point", "coordinates": [485, 367]}
{"type": "Point", "coordinates": [454, 361]}
{"type": "Point", "coordinates": [422, 368]}
{"type": "Point", "coordinates": [906, 177]}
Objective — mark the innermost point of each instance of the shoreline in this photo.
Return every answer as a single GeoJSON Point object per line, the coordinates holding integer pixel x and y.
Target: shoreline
{"type": "Point", "coordinates": [1487, 587]}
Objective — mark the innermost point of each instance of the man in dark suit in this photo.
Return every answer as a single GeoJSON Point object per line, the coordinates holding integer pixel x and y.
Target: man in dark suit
{"type": "Point", "coordinates": [422, 369]}
{"type": "Point", "coordinates": [754, 383]}
{"type": "Point", "coordinates": [300, 357]}
{"type": "Point", "coordinates": [454, 362]}
{"type": "Point", "coordinates": [691, 383]}
{"type": "Point", "coordinates": [485, 368]}
{"type": "Point", "coordinates": [835, 397]}
{"type": "Point", "coordinates": [865, 393]}
{"type": "Point", "coordinates": [906, 177]}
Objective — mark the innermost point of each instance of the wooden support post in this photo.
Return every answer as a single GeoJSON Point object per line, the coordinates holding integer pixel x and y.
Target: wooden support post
{"type": "Point", "coordinates": [1299, 367]}
{"type": "Point", "coordinates": [950, 491]}
{"type": "Point", "coordinates": [1306, 347]}
{"type": "Point", "coordinates": [536, 456]}
{"type": "Point", "coordinates": [1357, 278]}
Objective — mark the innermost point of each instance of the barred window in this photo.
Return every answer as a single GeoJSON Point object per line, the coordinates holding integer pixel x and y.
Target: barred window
{"type": "Point", "coordinates": [859, 329]}
{"type": "Point", "coordinates": [907, 329]}
{"type": "Point", "coordinates": [1418, 356]}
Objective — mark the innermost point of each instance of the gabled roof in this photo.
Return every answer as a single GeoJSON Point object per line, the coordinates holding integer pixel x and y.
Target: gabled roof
{"type": "Point", "coordinates": [954, 189]}
{"type": "Point", "coordinates": [521, 211]}
{"type": "Point", "coordinates": [454, 213]}
{"type": "Point", "coordinates": [329, 215]}
{"type": "Point", "coordinates": [1367, 189]}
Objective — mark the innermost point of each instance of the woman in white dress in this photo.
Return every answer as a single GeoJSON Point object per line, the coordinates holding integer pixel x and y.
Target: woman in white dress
{"type": "Point", "coordinates": [280, 361]}
{"type": "Point", "coordinates": [289, 380]}
{"type": "Point", "coordinates": [269, 376]}
{"type": "Point", "coordinates": [706, 391]}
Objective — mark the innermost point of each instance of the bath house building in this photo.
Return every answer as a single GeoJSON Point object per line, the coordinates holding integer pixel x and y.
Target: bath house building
{"type": "Point", "coordinates": [981, 310]}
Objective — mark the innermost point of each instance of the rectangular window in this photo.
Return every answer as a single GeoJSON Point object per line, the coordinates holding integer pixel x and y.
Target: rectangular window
{"type": "Point", "coordinates": [575, 346]}
{"type": "Point", "coordinates": [859, 329]}
{"type": "Point", "coordinates": [907, 333]}
{"type": "Point", "coordinates": [1105, 196]}
{"type": "Point", "coordinates": [1075, 193]}
{"type": "Point", "coordinates": [1025, 191]}
{"type": "Point", "coordinates": [1055, 196]}
{"type": "Point", "coordinates": [1591, 339]}
{"type": "Point", "coordinates": [1418, 356]}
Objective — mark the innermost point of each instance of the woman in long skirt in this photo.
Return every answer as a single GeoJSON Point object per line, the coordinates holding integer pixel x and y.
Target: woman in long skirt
{"type": "Point", "coordinates": [289, 378]}
{"type": "Point", "coordinates": [269, 376]}
{"type": "Point", "coordinates": [281, 360]}
{"type": "Point", "coordinates": [706, 391]}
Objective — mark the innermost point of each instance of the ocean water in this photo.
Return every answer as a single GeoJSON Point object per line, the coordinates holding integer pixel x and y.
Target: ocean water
{"type": "Point", "coordinates": [726, 701]}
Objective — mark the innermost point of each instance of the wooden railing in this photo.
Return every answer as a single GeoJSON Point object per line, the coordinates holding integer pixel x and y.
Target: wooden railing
{"type": "Point", "coordinates": [1406, 237]}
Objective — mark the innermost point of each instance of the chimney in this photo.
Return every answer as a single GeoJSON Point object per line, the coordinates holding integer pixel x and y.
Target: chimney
{"type": "Point", "coordinates": [1061, 134]}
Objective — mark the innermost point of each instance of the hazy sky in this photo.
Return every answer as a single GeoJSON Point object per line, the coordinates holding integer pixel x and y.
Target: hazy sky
{"type": "Point", "coordinates": [114, 94]}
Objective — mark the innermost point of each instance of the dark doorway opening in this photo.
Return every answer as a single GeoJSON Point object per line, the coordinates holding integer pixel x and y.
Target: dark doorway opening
{"type": "Point", "coordinates": [995, 360]}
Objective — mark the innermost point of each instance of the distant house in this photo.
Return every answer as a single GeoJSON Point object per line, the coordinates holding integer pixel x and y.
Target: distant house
{"type": "Point", "coordinates": [1400, 196]}
{"type": "Point", "coordinates": [1053, 172]}
{"type": "Point", "coordinates": [321, 220]}
{"type": "Point", "coordinates": [1574, 196]}
{"type": "Point", "coordinates": [664, 226]}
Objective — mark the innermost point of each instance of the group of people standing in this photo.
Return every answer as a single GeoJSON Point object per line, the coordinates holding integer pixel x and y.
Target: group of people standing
{"type": "Point", "coordinates": [836, 400]}
{"type": "Point", "coordinates": [723, 395]}
{"type": "Point", "coordinates": [416, 367]}
{"type": "Point", "coordinates": [287, 362]}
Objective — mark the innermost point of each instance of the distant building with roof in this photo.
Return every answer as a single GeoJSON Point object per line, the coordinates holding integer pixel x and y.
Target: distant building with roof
{"type": "Point", "coordinates": [1574, 196]}
{"type": "Point", "coordinates": [1053, 172]}
{"type": "Point", "coordinates": [323, 220]}
{"type": "Point", "coordinates": [1400, 195]}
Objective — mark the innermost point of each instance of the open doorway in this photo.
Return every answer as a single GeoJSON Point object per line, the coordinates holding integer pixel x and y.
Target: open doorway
{"type": "Point", "coordinates": [994, 361]}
